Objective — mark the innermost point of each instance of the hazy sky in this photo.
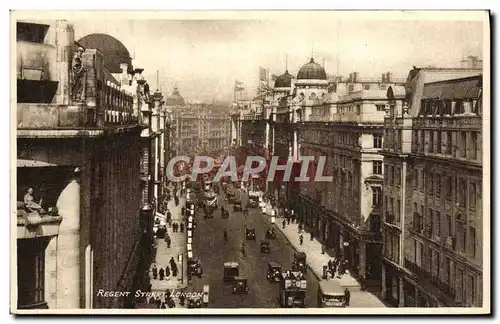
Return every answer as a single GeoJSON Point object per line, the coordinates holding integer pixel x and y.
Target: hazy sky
{"type": "Point", "coordinates": [204, 57]}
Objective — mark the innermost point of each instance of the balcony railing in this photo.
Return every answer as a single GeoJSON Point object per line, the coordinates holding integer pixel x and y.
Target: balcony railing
{"type": "Point", "coordinates": [425, 274]}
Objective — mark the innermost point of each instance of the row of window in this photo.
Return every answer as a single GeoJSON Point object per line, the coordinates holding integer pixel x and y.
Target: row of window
{"type": "Point", "coordinates": [457, 235]}
{"type": "Point", "coordinates": [464, 191]}
{"type": "Point", "coordinates": [430, 107]}
{"type": "Point", "coordinates": [446, 274]}
{"type": "Point", "coordinates": [459, 144]}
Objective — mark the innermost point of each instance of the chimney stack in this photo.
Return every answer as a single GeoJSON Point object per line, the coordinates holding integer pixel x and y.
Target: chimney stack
{"type": "Point", "coordinates": [356, 76]}
{"type": "Point", "coordinates": [383, 77]}
{"type": "Point", "coordinates": [388, 77]}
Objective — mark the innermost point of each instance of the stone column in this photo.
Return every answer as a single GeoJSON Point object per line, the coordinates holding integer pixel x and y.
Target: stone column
{"type": "Point", "coordinates": [51, 273]}
{"type": "Point", "coordinates": [362, 258]}
{"type": "Point", "coordinates": [64, 42]}
{"type": "Point", "coordinates": [401, 295]}
{"type": "Point", "coordinates": [384, 288]}
{"type": "Point", "coordinates": [68, 246]}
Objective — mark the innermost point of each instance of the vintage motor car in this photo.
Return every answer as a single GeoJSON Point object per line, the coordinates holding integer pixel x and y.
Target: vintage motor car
{"type": "Point", "coordinates": [237, 206]}
{"type": "Point", "coordinates": [299, 262]}
{"type": "Point", "coordinates": [274, 271]}
{"type": "Point", "coordinates": [240, 285]}
{"type": "Point", "coordinates": [271, 234]}
{"type": "Point", "coordinates": [250, 234]}
{"type": "Point", "coordinates": [331, 294]}
{"type": "Point", "coordinates": [292, 289]}
{"type": "Point", "coordinates": [231, 270]}
{"type": "Point", "coordinates": [194, 268]}
{"type": "Point", "coordinates": [265, 247]}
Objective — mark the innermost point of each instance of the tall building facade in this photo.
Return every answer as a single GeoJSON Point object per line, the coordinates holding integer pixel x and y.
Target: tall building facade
{"type": "Point", "coordinates": [78, 169]}
{"type": "Point", "coordinates": [432, 204]}
{"type": "Point", "coordinates": [197, 128]}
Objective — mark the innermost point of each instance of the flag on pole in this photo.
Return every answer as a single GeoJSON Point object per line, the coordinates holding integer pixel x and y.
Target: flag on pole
{"type": "Point", "coordinates": [265, 89]}
{"type": "Point", "coordinates": [263, 74]}
{"type": "Point", "coordinates": [239, 86]}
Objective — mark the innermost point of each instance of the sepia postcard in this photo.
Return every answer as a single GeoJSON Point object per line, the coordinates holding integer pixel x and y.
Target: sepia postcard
{"type": "Point", "coordinates": [250, 162]}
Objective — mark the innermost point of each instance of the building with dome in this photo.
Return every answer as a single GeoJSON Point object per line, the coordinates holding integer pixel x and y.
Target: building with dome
{"type": "Point", "coordinates": [196, 127]}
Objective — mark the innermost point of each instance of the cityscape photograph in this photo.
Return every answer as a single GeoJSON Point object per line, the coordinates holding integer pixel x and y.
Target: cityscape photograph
{"type": "Point", "coordinates": [369, 197]}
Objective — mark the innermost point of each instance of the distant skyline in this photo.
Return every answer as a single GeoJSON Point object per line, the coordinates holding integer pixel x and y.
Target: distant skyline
{"type": "Point", "coordinates": [205, 57]}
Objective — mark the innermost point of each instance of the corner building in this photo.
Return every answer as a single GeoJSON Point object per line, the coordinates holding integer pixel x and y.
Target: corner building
{"type": "Point", "coordinates": [78, 144]}
{"type": "Point", "coordinates": [432, 205]}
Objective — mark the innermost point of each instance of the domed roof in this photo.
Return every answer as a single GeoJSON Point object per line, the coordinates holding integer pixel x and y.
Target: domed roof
{"type": "Point", "coordinates": [113, 50]}
{"type": "Point", "coordinates": [311, 71]}
{"type": "Point", "coordinates": [175, 99]}
{"type": "Point", "coordinates": [284, 80]}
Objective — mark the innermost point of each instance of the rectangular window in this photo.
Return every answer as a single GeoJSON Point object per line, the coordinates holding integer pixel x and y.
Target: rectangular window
{"type": "Point", "coordinates": [472, 195]}
{"type": "Point", "coordinates": [473, 145]}
{"type": "Point", "coordinates": [430, 183]}
{"type": "Point", "coordinates": [436, 223]}
{"type": "Point", "coordinates": [397, 212]}
{"type": "Point", "coordinates": [431, 142]}
{"type": "Point", "coordinates": [430, 226]}
{"type": "Point", "coordinates": [377, 167]}
{"type": "Point", "coordinates": [437, 183]}
{"type": "Point", "coordinates": [421, 180]}
{"type": "Point", "coordinates": [449, 229]}
{"type": "Point", "coordinates": [380, 107]}
{"type": "Point", "coordinates": [460, 236]}
{"type": "Point", "coordinates": [471, 290]}
{"type": "Point", "coordinates": [461, 192]}
{"type": "Point", "coordinates": [449, 142]}
{"type": "Point", "coordinates": [472, 242]}
{"type": "Point", "coordinates": [377, 141]}
{"type": "Point", "coordinates": [376, 196]}
{"type": "Point", "coordinates": [438, 142]}
{"type": "Point", "coordinates": [422, 141]}
{"type": "Point", "coordinates": [415, 179]}
{"type": "Point", "coordinates": [448, 187]}
{"type": "Point", "coordinates": [398, 176]}
{"type": "Point", "coordinates": [463, 144]}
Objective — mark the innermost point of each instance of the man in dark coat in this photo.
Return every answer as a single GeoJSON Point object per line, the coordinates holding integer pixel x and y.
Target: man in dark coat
{"type": "Point", "coordinates": [301, 239]}
{"type": "Point", "coordinates": [155, 272]}
{"type": "Point", "coordinates": [182, 227]}
{"type": "Point", "coordinates": [347, 296]}
{"type": "Point", "coordinates": [167, 271]}
{"type": "Point", "coordinates": [162, 274]}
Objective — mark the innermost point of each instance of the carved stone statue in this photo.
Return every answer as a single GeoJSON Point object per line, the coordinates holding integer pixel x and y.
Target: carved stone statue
{"type": "Point", "coordinates": [78, 71]}
{"type": "Point", "coordinates": [30, 205]}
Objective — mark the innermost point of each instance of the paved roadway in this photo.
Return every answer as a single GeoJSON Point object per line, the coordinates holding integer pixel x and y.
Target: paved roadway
{"type": "Point", "coordinates": [210, 247]}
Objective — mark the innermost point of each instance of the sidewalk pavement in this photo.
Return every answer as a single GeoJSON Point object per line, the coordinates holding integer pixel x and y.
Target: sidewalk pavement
{"type": "Point", "coordinates": [316, 261]}
{"type": "Point", "coordinates": [177, 247]}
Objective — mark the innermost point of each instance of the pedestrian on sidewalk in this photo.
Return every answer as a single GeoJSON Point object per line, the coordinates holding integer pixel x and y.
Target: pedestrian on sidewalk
{"type": "Point", "coordinates": [312, 236]}
{"type": "Point", "coordinates": [288, 220]}
{"type": "Point", "coordinates": [323, 249]}
{"type": "Point", "coordinates": [347, 294]}
{"type": "Point", "coordinates": [162, 274]}
{"type": "Point", "coordinates": [168, 241]}
{"type": "Point", "coordinates": [301, 239]}
{"type": "Point", "coordinates": [169, 216]}
{"type": "Point", "coordinates": [284, 223]}
{"type": "Point", "coordinates": [173, 265]}
{"type": "Point", "coordinates": [183, 211]}
{"type": "Point", "coordinates": [167, 273]}
{"type": "Point", "coordinates": [182, 227]}
{"type": "Point", "coordinates": [155, 272]}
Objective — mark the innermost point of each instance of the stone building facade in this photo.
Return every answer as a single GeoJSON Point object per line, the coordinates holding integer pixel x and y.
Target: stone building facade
{"type": "Point", "coordinates": [432, 204]}
{"type": "Point", "coordinates": [79, 227]}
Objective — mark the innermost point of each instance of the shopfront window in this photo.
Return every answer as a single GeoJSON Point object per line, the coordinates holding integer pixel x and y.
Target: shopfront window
{"type": "Point", "coordinates": [31, 274]}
